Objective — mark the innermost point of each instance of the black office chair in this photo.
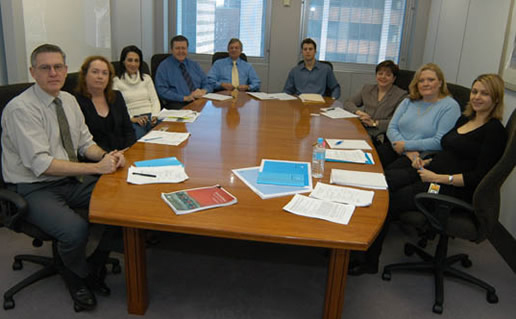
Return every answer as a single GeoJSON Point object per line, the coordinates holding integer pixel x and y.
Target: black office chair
{"type": "Point", "coordinates": [155, 62]}
{"type": "Point", "coordinates": [13, 209]}
{"type": "Point", "coordinates": [451, 217]}
{"type": "Point", "coordinates": [221, 55]}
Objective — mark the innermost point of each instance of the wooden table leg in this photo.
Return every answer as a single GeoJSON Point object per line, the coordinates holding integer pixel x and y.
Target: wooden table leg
{"type": "Point", "coordinates": [135, 271]}
{"type": "Point", "coordinates": [337, 274]}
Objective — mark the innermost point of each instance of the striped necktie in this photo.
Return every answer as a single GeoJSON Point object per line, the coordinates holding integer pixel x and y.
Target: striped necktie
{"type": "Point", "coordinates": [234, 76]}
{"type": "Point", "coordinates": [187, 77]}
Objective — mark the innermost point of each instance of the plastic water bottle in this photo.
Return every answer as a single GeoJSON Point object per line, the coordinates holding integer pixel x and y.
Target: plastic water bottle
{"type": "Point", "coordinates": [318, 159]}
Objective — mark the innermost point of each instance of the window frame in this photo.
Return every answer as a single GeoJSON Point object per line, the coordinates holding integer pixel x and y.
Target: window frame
{"type": "Point", "coordinates": [408, 22]}
{"type": "Point", "coordinates": [170, 20]}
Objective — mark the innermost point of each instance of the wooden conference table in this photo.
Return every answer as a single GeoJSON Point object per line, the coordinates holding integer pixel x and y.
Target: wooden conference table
{"type": "Point", "coordinates": [238, 133]}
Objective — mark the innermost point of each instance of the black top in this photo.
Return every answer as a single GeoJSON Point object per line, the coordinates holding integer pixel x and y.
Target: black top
{"type": "Point", "coordinates": [472, 154]}
{"type": "Point", "coordinates": [114, 132]}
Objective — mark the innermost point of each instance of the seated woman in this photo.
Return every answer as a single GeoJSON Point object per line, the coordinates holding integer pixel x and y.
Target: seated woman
{"type": "Point", "coordinates": [104, 110]}
{"type": "Point", "coordinates": [421, 120]}
{"type": "Point", "coordinates": [375, 103]}
{"type": "Point", "coordinates": [470, 150]}
{"type": "Point", "coordinates": [138, 90]}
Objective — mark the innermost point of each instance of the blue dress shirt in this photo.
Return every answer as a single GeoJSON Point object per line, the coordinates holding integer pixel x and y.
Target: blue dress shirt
{"type": "Point", "coordinates": [301, 80]}
{"type": "Point", "coordinates": [221, 73]}
{"type": "Point", "coordinates": [170, 83]}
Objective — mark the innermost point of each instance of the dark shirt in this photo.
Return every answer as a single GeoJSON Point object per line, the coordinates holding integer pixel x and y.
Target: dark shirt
{"type": "Point", "coordinates": [472, 154]}
{"type": "Point", "coordinates": [114, 132]}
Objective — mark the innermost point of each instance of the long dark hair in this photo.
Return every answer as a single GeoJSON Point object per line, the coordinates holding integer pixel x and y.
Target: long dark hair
{"type": "Point", "coordinates": [123, 55]}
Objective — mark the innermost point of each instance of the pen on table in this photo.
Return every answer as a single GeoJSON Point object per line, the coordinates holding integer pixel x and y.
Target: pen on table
{"type": "Point", "coordinates": [152, 138]}
{"type": "Point", "coordinates": [338, 143]}
{"type": "Point", "coordinates": [143, 174]}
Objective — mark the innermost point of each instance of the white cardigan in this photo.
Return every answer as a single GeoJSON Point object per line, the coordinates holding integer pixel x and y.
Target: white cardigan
{"type": "Point", "coordinates": [140, 96]}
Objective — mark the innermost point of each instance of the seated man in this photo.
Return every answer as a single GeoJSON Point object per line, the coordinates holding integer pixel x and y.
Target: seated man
{"type": "Point", "coordinates": [232, 72]}
{"type": "Point", "coordinates": [43, 129]}
{"type": "Point", "coordinates": [311, 76]}
{"type": "Point", "coordinates": [180, 80]}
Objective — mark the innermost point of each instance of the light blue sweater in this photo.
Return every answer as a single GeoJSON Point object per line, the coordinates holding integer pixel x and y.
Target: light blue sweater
{"type": "Point", "coordinates": [421, 125]}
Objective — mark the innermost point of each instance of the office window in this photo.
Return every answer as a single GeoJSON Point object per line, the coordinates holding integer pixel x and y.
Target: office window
{"type": "Point", "coordinates": [356, 31]}
{"type": "Point", "coordinates": [210, 24]}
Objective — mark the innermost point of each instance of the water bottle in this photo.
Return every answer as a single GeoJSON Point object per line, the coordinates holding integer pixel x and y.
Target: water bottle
{"type": "Point", "coordinates": [318, 159]}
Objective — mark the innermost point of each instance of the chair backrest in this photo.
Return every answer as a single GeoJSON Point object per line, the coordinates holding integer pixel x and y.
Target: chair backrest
{"type": "Point", "coordinates": [221, 55]}
{"type": "Point", "coordinates": [486, 199]}
{"type": "Point", "coordinates": [156, 60]}
{"type": "Point", "coordinates": [404, 78]}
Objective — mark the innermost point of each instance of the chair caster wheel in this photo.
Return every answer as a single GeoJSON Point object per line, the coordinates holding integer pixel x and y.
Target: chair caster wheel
{"type": "Point", "coordinates": [17, 265]}
{"type": "Point", "coordinates": [116, 269]}
{"type": "Point", "coordinates": [77, 308]}
{"type": "Point", "coordinates": [466, 263]}
{"type": "Point", "coordinates": [386, 275]}
{"type": "Point", "coordinates": [437, 308]}
{"type": "Point", "coordinates": [492, 297]}
{"type": "Point", "coordinates": [8, 303]}
{"type": "Point", "coordinates": [422, 242]}
{"type": "Point", "coordinates": [408, 250]}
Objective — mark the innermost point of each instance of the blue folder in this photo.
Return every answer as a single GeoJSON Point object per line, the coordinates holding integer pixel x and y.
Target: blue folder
{"type": "Point", "coordinates": [284, 173]}
{"type": "Point", "coordinates": [166, 161]}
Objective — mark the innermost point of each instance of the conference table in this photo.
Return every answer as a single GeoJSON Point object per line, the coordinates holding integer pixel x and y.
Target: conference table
{"type": "Point", "coordinates": [232, 134]}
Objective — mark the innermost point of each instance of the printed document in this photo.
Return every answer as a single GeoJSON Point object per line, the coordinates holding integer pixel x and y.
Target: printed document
{"type": "Point", "coordinates": [217, 97]}
{"type": "Point", "coordinates": [338, 113]}
{"type": "Point", "coordinates": [315, 208]}
{"type": "Point", "coordinates": [340, 194]}
{"type": "Point", "coordinates": [348, 144]}
{"type": "Point", "coordinates": [359, 179]}
{"type": "Point", "coordinates": [311, 98]}
{"type": "Point", "coordinates": [166, 138]}
{"type": "Point", "coordinates": [272, 96]}
{"type": "Point", "coordinates": [185, 116]}
{"type": "Point", "coordinates": [349, 156]}
{"type": "Point", "coordinates": [156, 174]}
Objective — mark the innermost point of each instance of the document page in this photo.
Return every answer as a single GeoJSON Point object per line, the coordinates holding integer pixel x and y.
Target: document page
{"type": "Point", "coordinates": [340, 194]}
{"type": "Point", "coordinates": [338, 113]}
{"type": "Point", "coordinates": [307, 97]}
{"type": "Point", "coordinates": [186, 116]}
{"type": "Point", "coordinates": [167, 138]}
{"type": "Point", "coordinates": [156, 174]}
{"type": "Point", "coordinates": [217, 97]}
{"type": "Point", "coordinates": [348, 144]}
{"type": "Point", "coordinates": [315, 208]}
{"type": "Point", "coordinates": [349, 156]}
{"type": "Point", "coordinates": [359, 179]}
{"type": "Point", "coordinates": [282, 96]}
{"type": "Point", "coordinates": [261, 95]}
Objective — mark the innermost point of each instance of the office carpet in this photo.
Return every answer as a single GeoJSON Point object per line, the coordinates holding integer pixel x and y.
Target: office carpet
{"type": "Point", "coordinates": [197, 277]}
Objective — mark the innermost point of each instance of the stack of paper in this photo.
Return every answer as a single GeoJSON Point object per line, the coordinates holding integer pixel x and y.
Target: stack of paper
{"type": "Point", "coordinates": [311, 98]}
{"type": "Point", "coordinates": [348, 144]}
{"type": "Point", "coordinates": [187, 116]}
{"type": "Point", "coordinates": [287, 173]}
{"type": "Point", "coordinates": [337, 113]}
{"type": "Point", "coordinates": [351, 156]}
{"type": "Point", "coordinates": [359, 179]}
{"type": "Point", "coordinates": [250, 177]}
{"type": "Point", "coordinates": [156, 174]}
{"type": "Point", "coordinates": [272, 96]}
{"type": "Point", "coordinates": [217, 97]}
{"type": "Point", "coordinates": [339, 194]}
{"type": "Point", "coordinates": [315, 208]}
{"type": "Point", "coordinates": [167, 138]}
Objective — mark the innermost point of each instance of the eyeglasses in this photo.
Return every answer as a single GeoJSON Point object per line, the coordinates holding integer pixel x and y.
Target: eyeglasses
{"type": "Point", "coordinates": [46, 68]}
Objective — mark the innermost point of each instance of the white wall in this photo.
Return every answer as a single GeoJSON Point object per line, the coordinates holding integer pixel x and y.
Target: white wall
{"type": "Point", "coordinates": [466, 37]}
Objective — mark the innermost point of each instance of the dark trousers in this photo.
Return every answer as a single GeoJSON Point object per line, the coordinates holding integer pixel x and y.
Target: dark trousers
{"type": "Point", "coordinates": [51, 208]}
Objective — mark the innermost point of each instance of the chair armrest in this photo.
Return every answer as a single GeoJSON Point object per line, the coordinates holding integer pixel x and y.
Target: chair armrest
{"type": "Point", "coordinates": [13, 208]}
{"type": "Point", "coordinates": [437, 208]}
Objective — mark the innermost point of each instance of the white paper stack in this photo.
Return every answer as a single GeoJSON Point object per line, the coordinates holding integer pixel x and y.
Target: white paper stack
{"type": "Point", "coordinates": [311, 98]}
{"type": "Point", "coordinates": [186, 116]}
{"type": "Point", "coordinates": [166, 138]}
{"type": "Point", "coordinates": [349, 156]}
{"type": "Point", "coordinates": [348, 144]}
{"type": "Point", "coordinates": [359, 179]}
{"type": "Point", "coordinates": [315, 208]}
{"type": "Point", "coordinates": [339, 194]}
{"type": "Point", "coordinates": [217, 97]}
{"type": "Point", "coordinates": [272, 96]}
{"type": "Point", "coordinates": [338, 113]}
{"type": "Point", "coordinates": [156, 174]}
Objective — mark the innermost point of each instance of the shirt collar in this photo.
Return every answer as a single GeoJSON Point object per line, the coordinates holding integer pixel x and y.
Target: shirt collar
{"type": "Point", "coordinates": [43, 96]}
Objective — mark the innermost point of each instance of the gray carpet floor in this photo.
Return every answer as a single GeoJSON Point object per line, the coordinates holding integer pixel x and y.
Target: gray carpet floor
{"type": "Point", "coordinates": [197, 277]}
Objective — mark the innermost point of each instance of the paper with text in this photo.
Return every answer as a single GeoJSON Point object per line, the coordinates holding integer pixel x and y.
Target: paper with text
{"type": "Point", "coordinates": [359, 179]}
{"type": "Point", "coordinates": [338, 113]}
{"type": "Point", "coordinates": [185, 116]}
{"type": "Point", "coordinates": [316, 208]}
{"type": "Point", "coordinates": [156, 174]}
{"type": "Point", "coordinates": [340, 194]}
{"type": "Point", "coordinates": [217, 97]}
{"type": "Point", "coordinates": [348, 144]}
{"type": "Point", "coordinates": [166, 138]}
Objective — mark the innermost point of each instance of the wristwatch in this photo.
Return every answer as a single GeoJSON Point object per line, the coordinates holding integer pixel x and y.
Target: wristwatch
{"type": "Point", "coordinates": [450, 179]}
{"type": "Point", "coordinates": [375, 123]}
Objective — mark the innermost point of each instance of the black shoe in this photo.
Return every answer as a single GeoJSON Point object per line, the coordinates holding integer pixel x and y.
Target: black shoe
{"type": "Point", "coordinates": [81, 294]}
{"type": "Point", "coordinates": [96, 282]}
{"type": "Point", "coordinates": [363, 268]}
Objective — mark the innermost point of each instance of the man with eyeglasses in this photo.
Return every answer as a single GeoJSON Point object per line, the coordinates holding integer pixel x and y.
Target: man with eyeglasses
{"type": "Point", "coordinates": [43, 130]}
